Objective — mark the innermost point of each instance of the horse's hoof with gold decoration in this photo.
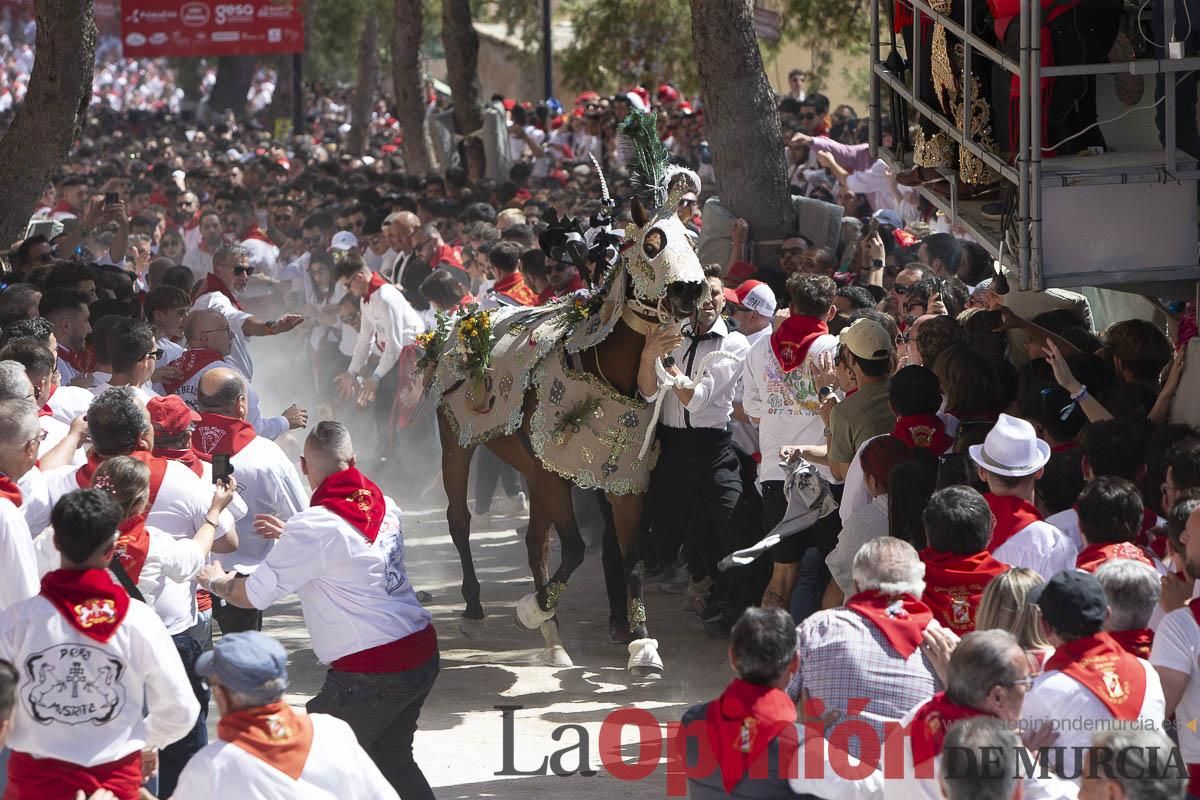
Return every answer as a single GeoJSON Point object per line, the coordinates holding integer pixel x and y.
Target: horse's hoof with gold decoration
{"type": "Point", "coordinates": [644, 661]}
{"type": "Point", "coordinates": [530, 615]}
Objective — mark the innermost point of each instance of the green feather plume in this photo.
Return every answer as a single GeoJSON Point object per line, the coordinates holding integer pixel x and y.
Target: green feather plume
{"type": "Point", "coordinates": [644, 155]}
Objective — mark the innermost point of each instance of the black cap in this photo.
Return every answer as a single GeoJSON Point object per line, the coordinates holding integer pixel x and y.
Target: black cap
{"type": "Point", "coordinates": [1072, 602]}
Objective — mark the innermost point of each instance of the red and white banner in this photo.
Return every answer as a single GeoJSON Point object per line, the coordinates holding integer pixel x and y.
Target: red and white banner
{"type": "Point", "coordinates": [154, 28]}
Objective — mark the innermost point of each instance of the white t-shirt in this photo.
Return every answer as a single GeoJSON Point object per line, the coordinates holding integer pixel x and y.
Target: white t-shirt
{"type": "Point", "coordinates": [269, 484]}
{"type": "Point", "coordinates": [1068, 522]}
{"type": "Point", "coordinates": [20, 579]}
{"type": "Point", "coordinates": [355, 594]}
{"type": "Point", "coordinates": [90, 703]}
{"type": "Point", "coordinates": [143, 392]}
{"type": "Point", "coordinates": [1177, 647]}
{"type": "Point", "coordinates": [239, 358]}
{"type": "Point", "coordinates": [786, 405]}
{"type": "Point", "coordinates": [55, 432]}
{"type": "Point", "coordinates": [337, 769]}
{"type": "Point", "coordinates": [69, 402]}
{"type": "Point", "coordinates": [391, 323]}
{"type": "Point", "coordinates": [1040, 547]}
{"type": "Point", "coordinates": [269, 427]}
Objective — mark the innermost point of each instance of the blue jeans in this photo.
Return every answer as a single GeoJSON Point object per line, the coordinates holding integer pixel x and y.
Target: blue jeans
{"type": "Point", "coordinates": [811, 582]}
{"type": "Point", "coordinates": [174, 757]}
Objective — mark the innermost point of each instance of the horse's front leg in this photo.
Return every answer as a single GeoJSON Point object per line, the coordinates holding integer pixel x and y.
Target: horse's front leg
{"type": "Point", "coordinates": [644, 660]}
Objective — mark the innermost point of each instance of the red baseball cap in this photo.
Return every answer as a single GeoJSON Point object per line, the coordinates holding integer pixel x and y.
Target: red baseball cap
{"type": "Point", "coordinates": [170, 415]}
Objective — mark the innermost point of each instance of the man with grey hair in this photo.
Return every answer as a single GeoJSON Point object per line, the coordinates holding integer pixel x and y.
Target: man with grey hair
{"type": "Point", "coordinates": [981, 761]}
{"type": "Point", "coordinates": [264, 747]}
{"type": "Point", "coordinates": [1132, 589]}
{"type": "Point", "coordinates": [871, 647]}
{"type": "Point", "coordinates": [20, 436]}
{"type": "Point", "coordinates": [267, 481]}
{"type": "Point", "coordinates": [344, 558]}
{"type": "Point", "coordinates": [1133, 764]}
{"type": "Point", "coordinates": [231, 273]}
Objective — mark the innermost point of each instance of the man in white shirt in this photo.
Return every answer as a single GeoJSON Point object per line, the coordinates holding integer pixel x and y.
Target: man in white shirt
{"type": "Point", "coordinates": [199, 259]}
{"type": "Point", "coordinates": [101, 687]}
{"type": "Point", "coordinates": [268, 750]}
{"type": "Point", "coordinates": [1010, 461]}
{"type": "Point", "coordinates": [1090, 683]}
{"type": "Point", "coordinates": [267, 481]}
{"type": "Point", "coordinates": [67, 311]}
{"type": "Point", "coordinates": [134, 355]}
{"type": "Point", "coordinates": [166, 308]}
{"type": "Point", "coordinates": [695, 487]}
{"type": "Point", "coordinates": [38, 363]}
{"type": "Point", "coordinates": [230, 273]}
{"type": "Point", "coordinates": [19, 438]}
{"type": "Point", "coordinates": [344, 559]}
{"type": "Point", "coordinates": [210, 342]}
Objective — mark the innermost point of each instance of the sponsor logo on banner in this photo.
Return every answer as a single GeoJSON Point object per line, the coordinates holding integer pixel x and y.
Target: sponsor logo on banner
{"type": "Point", "coordinates": [234, 14]}
{"type": "Point", "coordinates": [158, 38]}
{"type": "Point", "coordinates": [135, 40]}
{"type": "Point", "coordinates": [194, 15]}
{"type": "Point", "coordinates": [226, 36]}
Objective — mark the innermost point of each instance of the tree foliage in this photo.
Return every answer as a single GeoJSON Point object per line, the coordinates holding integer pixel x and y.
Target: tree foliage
{"type": "Point", "coordinates": [827, 26]}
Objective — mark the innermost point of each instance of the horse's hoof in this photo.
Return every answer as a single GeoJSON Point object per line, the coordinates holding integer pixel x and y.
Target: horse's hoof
{"type": "Point", "coordinates": [556, 656]}
{"type": "Point", "coordinates": [530, 615]}
{"type": "Point", "coordinates": [472, 628]}
{"type": "Point", "coordinates": [644, 661]}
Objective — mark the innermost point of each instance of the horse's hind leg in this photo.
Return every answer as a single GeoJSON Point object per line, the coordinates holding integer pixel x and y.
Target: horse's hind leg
{"type": "Point", "coordinates": [456, 468]}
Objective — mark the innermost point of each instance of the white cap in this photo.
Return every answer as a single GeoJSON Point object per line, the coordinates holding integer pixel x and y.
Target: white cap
{"type": "Point", "coordinates": [756, 296]}
{"type": "Point", "coordinates": [344, 240]}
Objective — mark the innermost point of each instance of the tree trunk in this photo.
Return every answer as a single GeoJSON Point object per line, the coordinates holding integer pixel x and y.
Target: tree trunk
{"type": "Point", "coordinates": [461, 44]}
{"type": "Point", "coordinates": [409, 87]}
{"type": "Point", "coordinates": [235, 74]}
{"type": "Point", "coordinates": [740, 119]}
{"type": "Point", "coordinates": [364, 89]}
{"type": "Point", "coordinates": [187, 77]}
{"type": "Point", "coordinates": [44, 127]}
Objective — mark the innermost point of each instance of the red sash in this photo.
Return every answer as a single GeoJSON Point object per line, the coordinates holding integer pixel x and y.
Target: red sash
{"type": "Point", "coordinates": [32, 778]}
{"type": "Point", "coordinates": [1115, 677]}
{"type": "Point", "coordinates": [81, 361]}
{"type": "Point", "coordinates": [954, 585]}
{"type": "Point", "coordinates": [216, 433]}
{"type": "Point", "coordinates": [133, 545]}
{"type": "Point", "coordinates": [353, 497]}
{"type": "Point", "coordinates": [923, 430]}
{"type": "Point", "coordinates": [930, 723]}
{"type": "Point", "coordinates": [274, 734]}
{"type": "Point", "coordinates": [403, 654]}
{"type": "Point", "coordinates": [373, 286]}
{"type": "Point", "coordinates": [1138, 642]}
{"type": "Point", "coordinates": [158, 470]}
{"type": "Point", "coordinates": [188, 364]}
{"type": "Point", "coordinates": [902, 619]}
{"type": "Point", "coordinates": [513, 287]}
{"type": "Point", "coordinates": [741, 724]}
{"type": "Point", "coordinates": [795, 336]}
{"type": "Point", "coordinates": [189, 457]}
{"type": "Point", "coordinates": [214, 284]}
{"type": "Point", "coordinates": [88, 599]}
{"type": "Point", "coordinates": [1092, 556]}
{"type": "Point", "coordinates": [1012, 515]}
{"type": "Point", "coordinates": [10, 490]}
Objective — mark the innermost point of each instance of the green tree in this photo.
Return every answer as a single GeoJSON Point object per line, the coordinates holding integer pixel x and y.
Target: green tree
{"type": "Point", "coordinates": [630, 41]}
{"type": "Point", "coordinates": [825, 27]}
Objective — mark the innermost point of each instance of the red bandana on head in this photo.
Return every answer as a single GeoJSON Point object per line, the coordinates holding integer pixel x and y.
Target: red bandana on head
{"type": "Point", "coordinates": [1012, 514]}
{"type": "Point", "coordinates": [188, 364]}
{"type": "Point", "coordinates": [216, 433]}
{"type": "Point", "coordinates": [133, 545]}
{"type": "Point", "coordinates": [89, 599]}
{"type": "Point", "coordinates": [1092, 556]}
{"type": "Point", "coordinates": [742, 723]}
{"type": "Point", "coordinates": [273, 733]}
{"type": "Point", "coordinates": [373, 286]}
{"type": "Point", "coordinates": [791, 342]}
{"type": "Point", "coordinates": [902, 619]}
{"type": "Point", "coordinates": [1115, 677]}
{"type": "Point", "coordinates": [930, 723]}
{"type": "Point", "coordinates": [353, 497]}
{"type": "Point", "coordinates": [158, 469]}
{"type": "Point", "coordinates": [954, 585]}
{"type": "Point", "coordinates": [923, 430]}
{"type": "Point", "coordinates": [214, 284]}
{"type": "Point", "coordinates": [10, 490]}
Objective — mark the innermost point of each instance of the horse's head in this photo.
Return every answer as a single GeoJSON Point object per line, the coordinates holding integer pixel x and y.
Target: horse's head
{"type": "Point", "coordinates": [660, 258]}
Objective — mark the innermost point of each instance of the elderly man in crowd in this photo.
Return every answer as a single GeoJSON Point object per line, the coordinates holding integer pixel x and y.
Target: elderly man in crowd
{"type": "Point", "coordinates": [1132, 589]}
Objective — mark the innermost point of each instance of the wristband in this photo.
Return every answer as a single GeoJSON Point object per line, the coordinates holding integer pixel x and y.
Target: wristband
{"type": "Point", "coordinates": [210, 522]}
{"type": "Point", "coordinates": [1077, 396]}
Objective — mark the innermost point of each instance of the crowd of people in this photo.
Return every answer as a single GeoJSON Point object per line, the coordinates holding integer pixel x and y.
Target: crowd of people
{"type": "Point", "coordinates": [907, 496]}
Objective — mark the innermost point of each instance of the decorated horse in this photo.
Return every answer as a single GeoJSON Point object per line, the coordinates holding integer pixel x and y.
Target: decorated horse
{"type": "Point", "coordinates": [553, 390]}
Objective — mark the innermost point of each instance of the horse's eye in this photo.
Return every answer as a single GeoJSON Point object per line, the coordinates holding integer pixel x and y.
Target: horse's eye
{"type": "Point", "coordinates": [653, 243]}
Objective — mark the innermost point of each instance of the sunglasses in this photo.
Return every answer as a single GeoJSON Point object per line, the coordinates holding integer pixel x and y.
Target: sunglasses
{"type": "Point", "coordinates": [243, 271]}
{"type": "Point", "coordinates": [900, 289]}
{"type": "Point", "coordinates": [310, 241]}
{"type": "Point", "coordinates": [155, 354]}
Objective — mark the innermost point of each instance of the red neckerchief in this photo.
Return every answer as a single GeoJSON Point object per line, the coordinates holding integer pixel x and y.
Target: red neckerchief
{"type": "Point", "coordinates": [63, 207]}
{"type": "Point", "coordinates": [902, 619]}
{"type": "Point", "coordinates": [1063, 447]}
{"type": "Point", "coordinates": [133, 544]}
{"type": "Point", "coordinates": [217, 433]}
{"type": "Point", "coordinates": [795, 336]}
{"type": "Point", "coordinates": [214, 284]}
{"type": "Point", "coordinates": [81, 361]}
{"type": "Point", "coordinates": [188, 364]}
{"type": "Point", "coordinates": [256, 233]}
{"type": "Point", "coordinates": [9, 489]}
{"type": "Point", "coordinates": [954, 585]}
{"type": "Point", "coordinates": [192, 223]}
{"type": "Point", "coordinates": [1092, 556]}
{"type": "Point", "coordinates": [353, 497]}
{"type": "Point", "coordinates": [45, 410]}
{"type": "Point", "coordinates": [513, 287]}
{"type": "Point", "coordinates": [373, 286]}
{"type": "Point", "coordinates": [923, 430]}
{"type": "Point", "coordinates": [741, 724]}
{"type": "Point", "coordinates": [89, 599]}
{"type": "Point", "coordinates": [1137, 642]}
{"type": "Point", "coordinates": [930, 723]}
{"type": "Point", "coordinates": [545, 296]}
{"type": "Point", "coordinates": [1115, 677]}
{"type": "Point", "coordinates": [158, 470]}
{"type": "Point", "coordinates": [273, 733]}
{"type": "Point", "coordinates": [189, 457]}
{"type": "Point", "coordinates": [1012, 515]}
